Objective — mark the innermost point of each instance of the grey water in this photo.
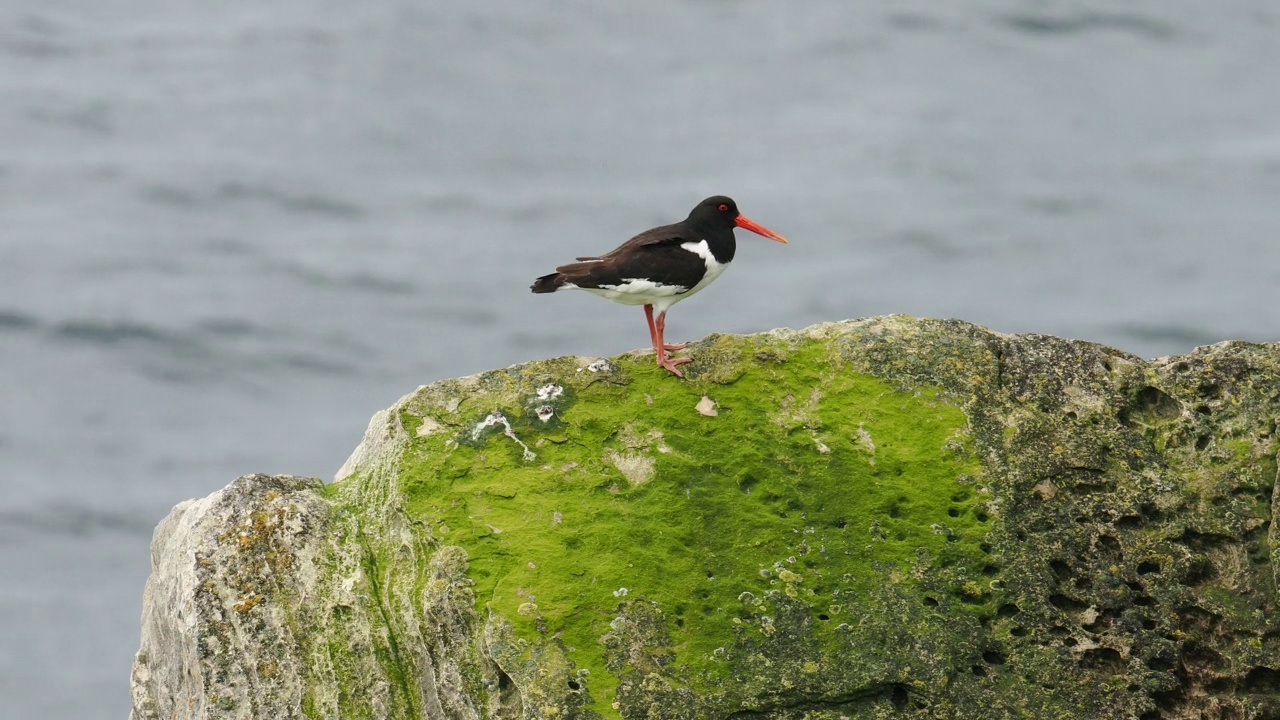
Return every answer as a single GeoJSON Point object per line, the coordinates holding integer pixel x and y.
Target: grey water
{"type": "Point", "coordinates": [230, 232]}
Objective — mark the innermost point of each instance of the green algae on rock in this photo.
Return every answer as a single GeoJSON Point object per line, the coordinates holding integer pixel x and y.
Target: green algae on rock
{"type": "Point", "coordinates": [888, 517]}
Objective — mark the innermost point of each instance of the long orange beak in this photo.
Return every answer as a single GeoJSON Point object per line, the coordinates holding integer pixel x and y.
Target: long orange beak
{"type": "Point", "coordinates": [747, 224]}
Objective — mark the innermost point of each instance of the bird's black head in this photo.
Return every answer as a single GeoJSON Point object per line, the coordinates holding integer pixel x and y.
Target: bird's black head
{"type": "Point", "coordinates": [719, 212]}
{"type": "Point", "coordinates": [715, 210]}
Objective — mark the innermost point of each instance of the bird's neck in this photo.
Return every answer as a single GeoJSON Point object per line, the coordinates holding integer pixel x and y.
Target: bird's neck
{"type": "Point", "coordinates": [721, 243]}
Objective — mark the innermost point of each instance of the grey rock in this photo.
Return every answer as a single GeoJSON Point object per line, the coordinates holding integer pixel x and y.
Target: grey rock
{"type": "Point", "coordinates": [889, 517]}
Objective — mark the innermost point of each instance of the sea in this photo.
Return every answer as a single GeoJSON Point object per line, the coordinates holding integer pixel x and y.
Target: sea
{"type": "Point", "coordinates": [232, 231]}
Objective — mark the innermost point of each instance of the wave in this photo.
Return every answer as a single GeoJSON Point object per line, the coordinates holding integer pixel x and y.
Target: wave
{"type": "Point", "coordinates": [1041, 24]}
{"type": "Point", "coordinates": [14, 321]}
{"type": "Point", "coordinates": [117, 332]}
{"type": "Point", "coordinates": [1182, 335]}
{"type": "Point", "coordinates": [362, 281]}
{"type": "Point", "coordinates": [234, 191]}
{"type": "Point", "coordinates": [75, 520]}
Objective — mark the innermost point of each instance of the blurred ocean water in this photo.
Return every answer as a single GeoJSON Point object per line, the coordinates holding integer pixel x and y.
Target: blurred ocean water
{"type": "Point", "coordinates": [231, 232]}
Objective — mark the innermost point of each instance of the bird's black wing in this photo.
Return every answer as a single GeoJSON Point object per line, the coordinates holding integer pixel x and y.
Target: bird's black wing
{"type": "Point", "coordinates": [672, 235]}
{"type": "Point", "coordinates": [653, 255]}
{"type": "Point", "coordinates": [660, 260]}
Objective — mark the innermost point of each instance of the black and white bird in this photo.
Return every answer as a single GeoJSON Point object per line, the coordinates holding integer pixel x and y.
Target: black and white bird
{"type": "Point", "coordinates": [660, 267]}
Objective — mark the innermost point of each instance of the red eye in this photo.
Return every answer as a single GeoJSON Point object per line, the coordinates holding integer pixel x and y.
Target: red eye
{"type": "Point", "coordinates": [724, 208]}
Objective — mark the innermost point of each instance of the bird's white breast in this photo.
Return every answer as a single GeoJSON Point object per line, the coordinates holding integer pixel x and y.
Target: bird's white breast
{"type": "Point", "coordinates": [714, 268]}
{"type": "Point", "coordinates": [637, 291]}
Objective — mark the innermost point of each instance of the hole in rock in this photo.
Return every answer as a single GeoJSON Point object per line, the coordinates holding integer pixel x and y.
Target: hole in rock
{"type": "Point", "coordinates": [899, 698]}
{"type": "Point", "coordinates": [1062, 602]}
{"type": "Point", "coordinates": [1262, 679]}
{"type": "Point", "coordinates": [1221, 685]}
{"type": "Point", "coordinates": [1154, 401]}
{"type": "Point", "coordinates": [1104, 659]}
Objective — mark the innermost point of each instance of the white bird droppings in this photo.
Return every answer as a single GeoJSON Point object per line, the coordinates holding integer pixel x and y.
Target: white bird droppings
{"type": "Point", "coordinates": [707, 407]}
{"type": "Point", "coordinates": [497, 418]}
{"type": "Point", "coordinates": [550, 391]}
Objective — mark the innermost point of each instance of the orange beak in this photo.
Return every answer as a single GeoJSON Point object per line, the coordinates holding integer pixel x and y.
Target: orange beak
{"type": "Point", "coordinates": [747, 224]}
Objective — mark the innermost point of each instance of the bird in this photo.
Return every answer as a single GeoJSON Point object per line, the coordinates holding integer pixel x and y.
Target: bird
{"type": "Point", "coordinates": [660, 267]}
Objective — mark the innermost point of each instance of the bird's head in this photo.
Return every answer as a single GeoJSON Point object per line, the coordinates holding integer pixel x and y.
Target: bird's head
{"type": "Point", "coordinates": [723, 211]}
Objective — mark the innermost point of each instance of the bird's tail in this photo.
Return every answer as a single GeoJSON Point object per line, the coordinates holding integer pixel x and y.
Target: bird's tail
{"type": "Point", "coordinates": [548, 283]}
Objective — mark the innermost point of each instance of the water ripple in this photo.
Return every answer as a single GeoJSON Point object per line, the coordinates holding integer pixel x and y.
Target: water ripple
{"type": "Point", "coordinates": [37, 38]}
{"type": "Point", "coordinates": [929, 242]}
{"type": "Point", "coordinates": [1041, 24]}
{"type": "Point", "coordinates": [92, 117]}
{"type": "Point", "coordinates": [914, 22]}
{"type": "Point", "coordinates": [1170, 334]}
{"type": "Point", "coordinates": [305, 204]}
{"type": "Point", "coordinates": [75, 520]}
{"type": "Point", "coordinates": [1057, 205]}
{"type": "Point", "coordinates": [170, 195]}
{"type": "Point", "coordinates": [232, 192]}
{"type": "Point", "coordinates": [360, 280]}
{"type": "Point", "coordinates": [14, 321]}
{"type": "Point", "coordinates": [315, 364]}
{"type": "Point", "coordinates": [117, 332]}
{"type": "Point", "coordinates": [211, 350]}
{"type": "Point", "coordinates": [229, 327]}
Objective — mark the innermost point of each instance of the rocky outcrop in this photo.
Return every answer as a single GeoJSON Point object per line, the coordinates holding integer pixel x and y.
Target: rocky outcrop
{"type": "Point", "coordinates": [879, 518]}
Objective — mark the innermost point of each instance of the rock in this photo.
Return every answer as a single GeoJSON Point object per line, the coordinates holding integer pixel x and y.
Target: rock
{"type": "Point", "coordinates": [888, 517]}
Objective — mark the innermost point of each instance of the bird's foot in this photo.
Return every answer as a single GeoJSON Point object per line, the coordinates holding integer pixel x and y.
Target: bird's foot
{"type": "Point", "coordinates": [679, 346]}
{"type": "Point", "coordinates": [670, 363]}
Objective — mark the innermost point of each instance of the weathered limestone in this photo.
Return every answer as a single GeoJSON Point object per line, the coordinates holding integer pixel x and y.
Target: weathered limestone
{"type": "Point", "coordinates": [879, 518]}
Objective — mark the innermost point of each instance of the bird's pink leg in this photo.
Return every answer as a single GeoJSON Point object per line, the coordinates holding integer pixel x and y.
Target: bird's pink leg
{"type": "Point", "coordinates": [653, 333]}
{"type": "Point", "coordinates": [664, 360]}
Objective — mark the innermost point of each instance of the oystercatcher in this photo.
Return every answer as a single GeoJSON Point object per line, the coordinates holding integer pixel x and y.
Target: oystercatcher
{"type": "Point", "coordinates": [660, 267]}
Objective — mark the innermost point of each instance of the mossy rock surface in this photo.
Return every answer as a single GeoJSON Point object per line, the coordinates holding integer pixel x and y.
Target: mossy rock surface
{"type": "Point", "coordinates": [890, 517]}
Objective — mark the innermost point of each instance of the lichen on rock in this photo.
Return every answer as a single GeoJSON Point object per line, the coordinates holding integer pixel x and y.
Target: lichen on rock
{"type": "Point", "coordinates": [888, 517]}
